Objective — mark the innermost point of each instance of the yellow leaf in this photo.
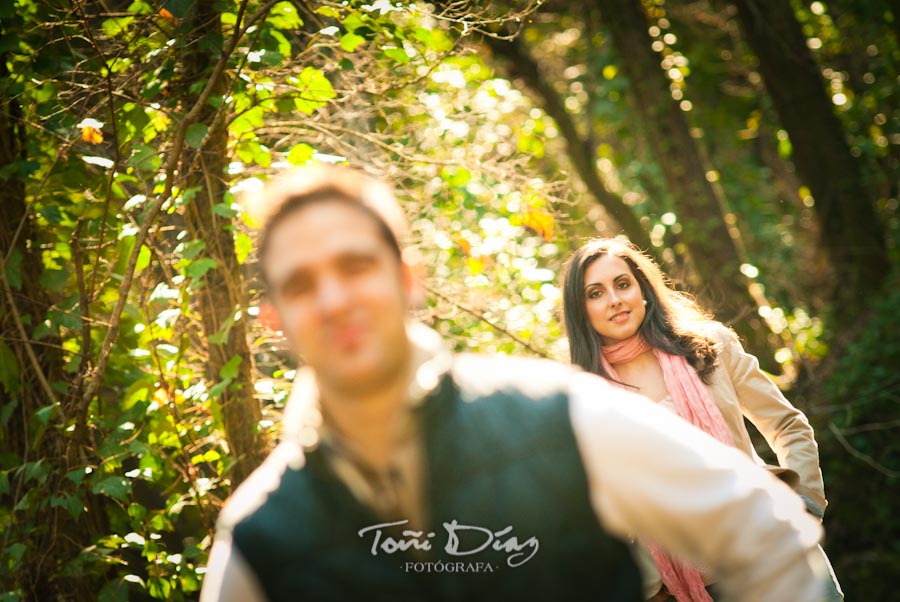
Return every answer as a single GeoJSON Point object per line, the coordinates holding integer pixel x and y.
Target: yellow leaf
{"type": "Point", "coordinates": [165, 14]}
{"type": "Point", "coordinates": [475, 265]}
{"type": "Point", "coordinates": [463, 244]}
{"type": "Point", "coordinates": [539, 221]}
{"type": "Point", "coordinates": [91, 134]}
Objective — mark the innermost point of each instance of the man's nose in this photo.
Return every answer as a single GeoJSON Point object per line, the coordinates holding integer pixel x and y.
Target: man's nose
{"type": "Point", "coordinates": [333, 294]}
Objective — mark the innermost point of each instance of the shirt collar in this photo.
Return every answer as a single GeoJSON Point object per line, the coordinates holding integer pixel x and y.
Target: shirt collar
{"type": "Point", "coordinates": [303, 420]}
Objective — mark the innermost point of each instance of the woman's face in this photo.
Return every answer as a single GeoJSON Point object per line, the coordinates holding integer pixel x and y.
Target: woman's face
{"type": "Point", "coordinates": [613, 299]}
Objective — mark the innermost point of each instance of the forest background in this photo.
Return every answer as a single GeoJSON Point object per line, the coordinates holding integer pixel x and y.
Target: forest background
{"type": "Point", "coordinates": [751, 146]}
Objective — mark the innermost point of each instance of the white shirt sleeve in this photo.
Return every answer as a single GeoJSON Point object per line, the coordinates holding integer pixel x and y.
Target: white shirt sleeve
{"type": "Point", "coordinates": [655, 477]}
{"type": "Point", "coordinates": [229, 577]}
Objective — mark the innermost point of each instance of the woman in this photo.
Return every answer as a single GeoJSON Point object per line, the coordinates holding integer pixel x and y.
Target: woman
{"type": "Point", "coordinates": [626, 323]}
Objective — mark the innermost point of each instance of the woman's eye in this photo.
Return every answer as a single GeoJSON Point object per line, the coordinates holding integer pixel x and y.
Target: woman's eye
{"type": "Point", "coordinates": [624, 284]}
{"type": "Point", "coordinates": [594, 295]}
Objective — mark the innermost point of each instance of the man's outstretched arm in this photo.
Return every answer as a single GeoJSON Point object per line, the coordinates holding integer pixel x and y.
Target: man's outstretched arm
{"type": "Point", "coordinates": [655, 477]}
{"type": "Point", "coordinates": [229, 577]}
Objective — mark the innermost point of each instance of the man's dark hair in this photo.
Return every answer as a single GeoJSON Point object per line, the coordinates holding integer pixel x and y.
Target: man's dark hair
{"type": "Point", "coordinates": [303, 187]}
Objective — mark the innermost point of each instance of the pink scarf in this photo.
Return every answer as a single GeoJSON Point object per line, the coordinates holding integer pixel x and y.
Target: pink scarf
{"type": "Point", "coordinates": [694, 403]}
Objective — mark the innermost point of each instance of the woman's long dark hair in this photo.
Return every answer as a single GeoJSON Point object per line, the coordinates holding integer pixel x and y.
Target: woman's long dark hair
{"type": "Point", "coordinates": [673, 322]}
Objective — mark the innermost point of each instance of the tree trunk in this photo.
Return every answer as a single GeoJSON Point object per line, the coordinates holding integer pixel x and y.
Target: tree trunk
{"type": "Point", "coordinates": [51, 536]}
{"type": "Point", "coordinates": [851, 233]}
{"type": "Point", "coordinates": [710, 242]}
{"type": "Point", "coordinates": [521, 64]}
{"type": "Point", "coordinates": [223, 291]}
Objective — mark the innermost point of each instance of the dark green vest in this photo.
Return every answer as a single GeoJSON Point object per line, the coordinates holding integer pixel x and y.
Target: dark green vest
{"type": "Point", "coordinates": [499, 454]}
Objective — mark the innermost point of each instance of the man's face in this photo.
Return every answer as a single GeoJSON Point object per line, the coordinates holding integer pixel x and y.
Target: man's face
{"type": "Point", "coordinates": [341, 294]}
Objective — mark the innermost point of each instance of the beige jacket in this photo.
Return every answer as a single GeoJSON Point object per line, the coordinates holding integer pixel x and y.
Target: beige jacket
{"type": "Point", "coordinates": [741, 389]}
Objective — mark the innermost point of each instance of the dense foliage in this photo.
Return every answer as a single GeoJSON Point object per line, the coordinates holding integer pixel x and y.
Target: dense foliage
{"type": "Point", "coordinates": [137, 386]}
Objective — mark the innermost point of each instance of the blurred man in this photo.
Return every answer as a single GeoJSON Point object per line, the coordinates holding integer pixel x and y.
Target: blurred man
{"type": "Point", "coordinates": [407, 472]}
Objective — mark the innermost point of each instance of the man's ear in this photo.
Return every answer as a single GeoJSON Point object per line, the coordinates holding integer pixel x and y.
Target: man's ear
{"type": "Point", "coordinates": [413, 278]}
{"type": "Point", "coordinates": [268, 316]}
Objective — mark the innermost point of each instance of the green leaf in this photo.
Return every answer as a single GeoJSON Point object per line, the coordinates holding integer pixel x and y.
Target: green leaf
{"type": "Point", "coordinates": [76, 476]}
{"type": "Point", "coordinates": [283, 44]}
{"type": "Point", "coordinates": [195, 134]}
{"type": "Point", "coordinates": [271, 58]}
{"type": "Point", "coordinates": [137, 512]}
{"type": "Point", "coordinates": [190, 250]}
{"type": "Point", "coordinates": [424, 35]}
{"type": "Point", "coordinates": [115, 487]}
{"type": "Point", "coordinates": [70, 502]}
{"type": "Point", "coordinates": [158, 522]}
{"type": "Point", "coordinates": [143, 259]}
{"type": "Point", "coordinates": [353, 21]}
{"type": "Point", "coordinates": [14, 269]}
{"type": "Point", "coordinates": [145, 157]}
{"type": "Point", "coordinates": [160, 588]}
{"type": "Point", "coordinates": [528, 143]}
{"type": "Point", "coordinates": [65, 319]}
{"type": "Point", "coordinates": [116, 26]}
{"type": "Point", "coordinates": [784, 147]}
{"type": "Point", "coordinates": [230, 369]}
{"type": "Point", "coordinates": [15, 552]}
{"type": "Point", "coordinates": [117, 590]}
{"type": "Point", "coordinates": [199, 267]}
{"type": "Point", "coordinates": [208, 456]}
{"type": "Point", "coordinates": [25, 501]}
{"type": "Point", "coordinates": [219, 388]}
{"type": "Point", "coordinates": [284, 16]}
{"type": "Point", "coordinates": [54, 280]}
{"type": "Point", "coordinates": [351, 41]}
{"type": "Point", "coordinates": [221, 337]}
{"type": "Point", "coordinates": [36, 471]}
{"type": "Point", "coordinates": [247, 121]}
{"type": "Point", "coordinates": [262, 156]}
{"type": "Point", "coordinates": [300, 154]}
{"type": "Point", "coordinates": [315, 90]}
{"type": "Point", "coordinates": [9, 371]}
{"type": "Point", "coordinates": [224, 210]}
{"type": "Point", "coordinates": [189, 193]}
{"type": "Point", "coordinates": [140, 7]}
{"type": "Point", "coordinates": [398, 54]}
{"type": "Point", "coordinates": [46, 413]}
{"type": "Point", "coordinates": [329, 11]}
{"type": "Point", "coordinates": [7, 410]}
{"type": "Point", "coordinates": [460, 177]}
{"type": "Point", "coordinates": [242, 247]}
{"type": "Point", "coordinates": [245, 149]}
{"type": "Point", "coordinates": [54, 217]}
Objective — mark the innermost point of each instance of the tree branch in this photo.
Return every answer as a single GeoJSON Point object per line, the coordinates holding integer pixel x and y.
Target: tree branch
{"type": "Point", "coordinates": [521, 64]}
{"type": "Point", "coordinates": [29, 350]}
{"type": "Point", "coordinates": [149, 219]}
{"type": "Point", "coordinates": [480, 316]}
{"type": "Point", "coordinates": [866, 459]}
